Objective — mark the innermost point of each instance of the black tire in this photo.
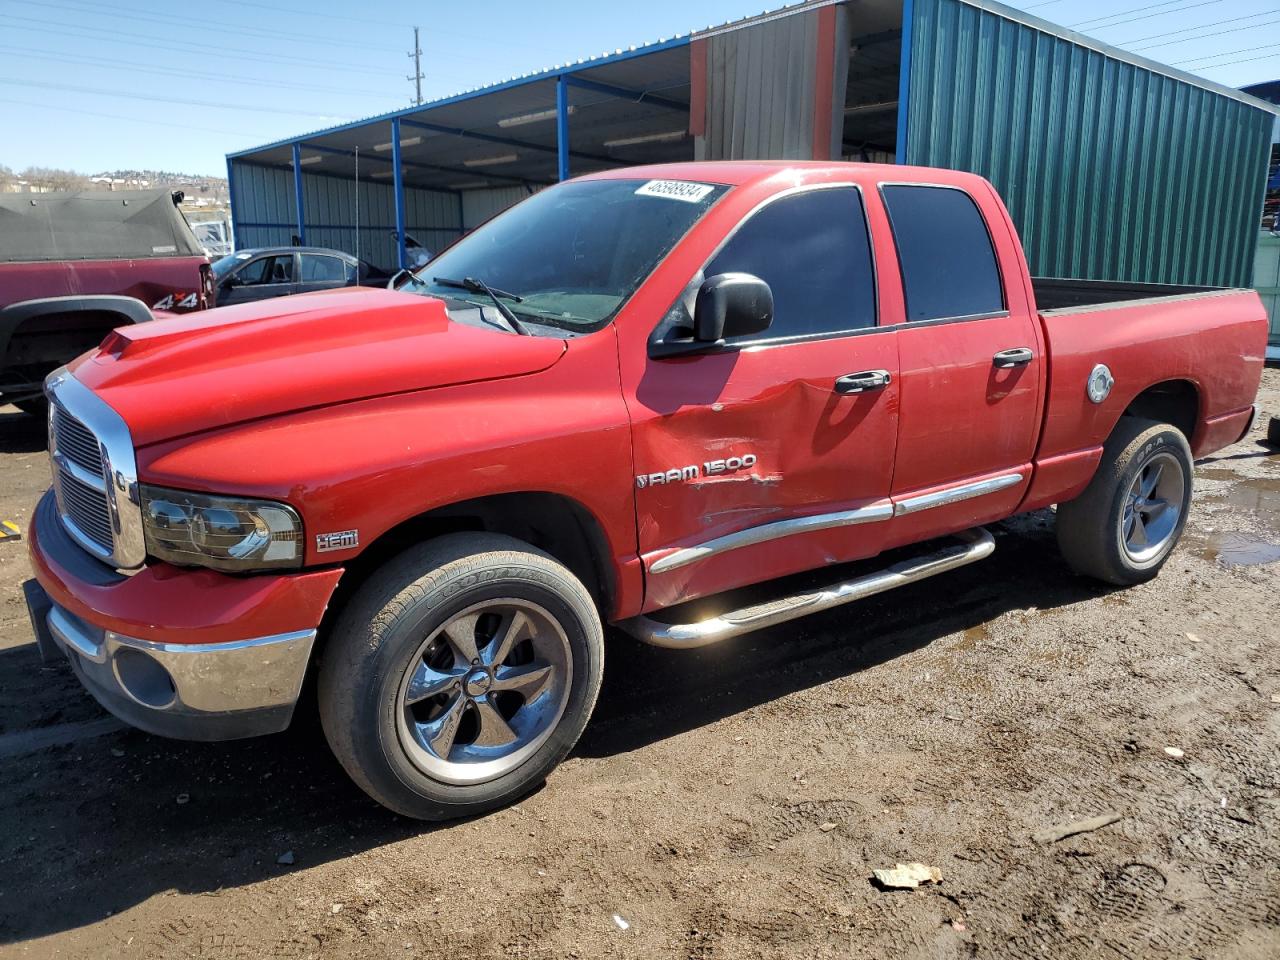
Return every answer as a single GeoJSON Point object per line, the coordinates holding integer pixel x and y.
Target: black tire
{"type": "Point", "coordinates": [1092, 528]}
{"type": "Point", "coordinates": [378, 638]}
{"type": "Point", "coordinates": [1273, 432]}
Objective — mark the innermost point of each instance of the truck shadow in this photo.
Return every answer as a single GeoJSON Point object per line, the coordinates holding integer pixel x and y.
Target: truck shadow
{"type": "Point", "coordinates": [97, 826]}
{"type": "Point", "coordinates": [20, 433]}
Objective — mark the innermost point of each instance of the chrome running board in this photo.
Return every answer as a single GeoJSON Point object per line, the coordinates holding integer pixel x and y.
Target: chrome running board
{"type": "Point", "coordinates": [977, 545]}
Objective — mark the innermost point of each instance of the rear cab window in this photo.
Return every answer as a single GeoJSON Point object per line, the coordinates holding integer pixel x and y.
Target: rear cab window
{"type": "Point", "coordinates": [948, 262]}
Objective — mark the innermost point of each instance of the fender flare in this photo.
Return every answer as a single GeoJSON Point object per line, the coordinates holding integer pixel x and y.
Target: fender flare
{"type": "Point", "coordinates": [128, 310]}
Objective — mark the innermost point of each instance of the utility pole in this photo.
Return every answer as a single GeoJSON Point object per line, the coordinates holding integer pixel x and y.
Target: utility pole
{"type": "Point", "coordinates": [416, 57]}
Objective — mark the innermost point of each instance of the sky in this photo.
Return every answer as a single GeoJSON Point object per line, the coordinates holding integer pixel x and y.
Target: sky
{"type": "Point", "coordinates": [93, 85]}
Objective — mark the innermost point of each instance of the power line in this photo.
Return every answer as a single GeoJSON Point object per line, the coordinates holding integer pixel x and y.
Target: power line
{"type": "Point", "coordinates": [125, 95]}
{"type": "Point", "coordinates": [1206, 36]}
{"type": "Point", "coordinates": [1095, 23]}
{"type": "Point", "coordinates": [293, 11]}
{"type": "Point", "coordinates": [226, 53]}
{"type": "Point", "coordinates": [1231, 63]}
{"type": "Point", "coordinates": [44, 107]}
{"type": "Point", "coordinates": [85, 7]}
{"type": "Point", "coordinates": [1203, 26]}
{"type": "Point", "coordinates": [130, 67]}
{"type": "Point", "coordinates": [1226, 53]}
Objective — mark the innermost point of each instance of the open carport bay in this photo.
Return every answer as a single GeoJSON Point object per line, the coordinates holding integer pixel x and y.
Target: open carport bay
{"type": "Point", "coordinates": [730, 802]}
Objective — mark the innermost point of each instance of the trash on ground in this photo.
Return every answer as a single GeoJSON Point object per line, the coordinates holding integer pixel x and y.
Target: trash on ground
{"type": "Point", "coordinates": [1174, 752]}
{"type": "Point", "coordinates": [183, 798]}
{"type": "Point", "coordinates": [286, 858]}
{"type": "Point", "coordinates": [908, 876]}
{"type": "Point", "coordinates": [9, 531]}
{"type": "Point", "coordinates": [1193, 638]}
{"type": "Point", "coordinates": [336, 908]}
{"type": "Point", "coordinates": [1054, 834]}
{"type": "Point", "coordinates": [827, 827]}
{"type": "Point", "coordinates": [622, 924]}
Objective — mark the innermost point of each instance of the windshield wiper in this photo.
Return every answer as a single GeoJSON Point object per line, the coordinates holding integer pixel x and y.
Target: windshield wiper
{"type": "Point", "coordinates": [497, 296]}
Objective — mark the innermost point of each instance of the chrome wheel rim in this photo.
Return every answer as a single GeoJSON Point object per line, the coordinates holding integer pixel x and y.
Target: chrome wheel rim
{"type": "Point", "coordinates": [484, 691]}
{"type": "Point", "coordinates": [1153, 508]}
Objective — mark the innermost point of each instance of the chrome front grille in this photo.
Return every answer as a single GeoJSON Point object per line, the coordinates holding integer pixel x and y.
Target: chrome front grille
{"type": "Point", "coordinates": [76, 442]}
{"type": "Point", "coordinates": [94, 473]}
{"type": "Point", "coordinates": [88, 509]}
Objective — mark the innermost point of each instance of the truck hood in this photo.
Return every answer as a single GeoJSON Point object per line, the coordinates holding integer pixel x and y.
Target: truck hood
{"type": "Point", "coordinates": [183, 375]}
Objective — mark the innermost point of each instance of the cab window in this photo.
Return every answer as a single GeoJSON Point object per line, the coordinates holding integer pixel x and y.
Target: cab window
{"type": "Point", "coordinates": [948, 263]}
{"type": "Point", "coordinates": [317, 268]}
{"type": "Point", "coordinates": [267, 270]}
{"type": "Point", "coordinates": [813, 250]}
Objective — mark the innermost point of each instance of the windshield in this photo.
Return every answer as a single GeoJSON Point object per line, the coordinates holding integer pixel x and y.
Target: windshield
{"type": "Point", "coordinates": [573, 253]}
{"type": "Point", "coordinates": [224, 265]}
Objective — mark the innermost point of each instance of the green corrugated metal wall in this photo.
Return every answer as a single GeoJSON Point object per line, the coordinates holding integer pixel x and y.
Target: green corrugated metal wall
{"type": "Point", "coordinates": [1111, 171]}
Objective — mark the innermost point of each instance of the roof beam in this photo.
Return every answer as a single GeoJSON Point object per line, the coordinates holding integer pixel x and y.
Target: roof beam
{"type": "Point", "coordinates": [462, 171]}
{"type": "Point", "coordinates": [503, 141]}
{"type": "Point", "coordinates": [622, 93]}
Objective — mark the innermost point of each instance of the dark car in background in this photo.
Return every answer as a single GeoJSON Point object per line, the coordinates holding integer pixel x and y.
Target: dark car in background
{"type": "Point", "coordinates": [75, 265]}
{"type": "Point", "coordinates": [263, 272]}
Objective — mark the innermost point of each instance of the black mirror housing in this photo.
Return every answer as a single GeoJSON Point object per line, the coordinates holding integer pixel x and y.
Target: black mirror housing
{"type": "Point", "coordinates": [731, 305]}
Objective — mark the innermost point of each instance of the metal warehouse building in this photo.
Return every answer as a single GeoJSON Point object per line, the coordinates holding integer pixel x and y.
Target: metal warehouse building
{"type": "Point", "coordinates": [1114, 167]}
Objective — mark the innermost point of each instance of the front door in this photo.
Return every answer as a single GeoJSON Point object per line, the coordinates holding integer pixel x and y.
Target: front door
{"type": "Point", "coordinates": [263, 277]}
{"type": "Point", "coordinates": [766, 457]}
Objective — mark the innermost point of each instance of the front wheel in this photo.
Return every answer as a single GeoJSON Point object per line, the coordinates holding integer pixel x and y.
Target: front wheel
{"type": "Point", "coordinates": [1122, 529]}
{"type": "Point", "coordinates": [460, 675]}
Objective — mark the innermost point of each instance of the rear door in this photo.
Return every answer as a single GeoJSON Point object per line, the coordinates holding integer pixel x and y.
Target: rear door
{"type": "Point", "coordinates": [754, 460]}
{"type": "Point", "coordinates": [318, 271]}
{"type": "Point", "coordinates": [971, 357]}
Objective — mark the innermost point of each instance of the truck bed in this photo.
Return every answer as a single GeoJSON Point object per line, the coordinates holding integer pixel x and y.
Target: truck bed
{"type": "Point", "coordinates": [1062, 294]}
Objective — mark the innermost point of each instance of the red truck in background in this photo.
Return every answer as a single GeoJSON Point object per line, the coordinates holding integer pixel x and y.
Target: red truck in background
{"type": "Point", "coordinates": [75, 265]}
{"type": "Point", "coordinates": [633, 390]}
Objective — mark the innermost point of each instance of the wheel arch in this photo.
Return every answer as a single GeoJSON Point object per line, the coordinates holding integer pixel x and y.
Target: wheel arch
{"type": "Point", "coordinates": [556, 524]}
{"type": "Point", "coordinates": [105, 311]}
{"type": "Point", "coordinates": [1176, 402]}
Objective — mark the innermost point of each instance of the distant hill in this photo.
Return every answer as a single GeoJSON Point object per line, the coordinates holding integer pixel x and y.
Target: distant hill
{"type": "Point", "coordinates": [41, 179]}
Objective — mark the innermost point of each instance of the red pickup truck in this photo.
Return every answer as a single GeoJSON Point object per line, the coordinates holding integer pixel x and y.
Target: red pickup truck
{"type": "Point", "coordinates": [631, 391]}
{"type": "Point", "coordinates": [75, 265]}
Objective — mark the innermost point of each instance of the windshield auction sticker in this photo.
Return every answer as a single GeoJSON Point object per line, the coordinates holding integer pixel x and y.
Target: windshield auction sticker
{"type": "Point", "coordinates": [675, 190]}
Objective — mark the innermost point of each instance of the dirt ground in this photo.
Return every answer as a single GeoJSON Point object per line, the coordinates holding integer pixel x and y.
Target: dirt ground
{"type": "Point", "coordinates": [728, 803]}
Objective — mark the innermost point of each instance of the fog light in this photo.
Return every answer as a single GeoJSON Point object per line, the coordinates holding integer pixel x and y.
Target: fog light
{"type": "Point", "coordinates": [144, 679]}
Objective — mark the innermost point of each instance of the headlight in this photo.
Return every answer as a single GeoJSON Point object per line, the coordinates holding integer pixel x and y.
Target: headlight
{"type": "Point", "coordinates": [226, 533]}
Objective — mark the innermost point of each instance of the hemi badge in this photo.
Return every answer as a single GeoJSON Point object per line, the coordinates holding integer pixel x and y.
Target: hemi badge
{"type": "Point", "coordinates": [342, 540]}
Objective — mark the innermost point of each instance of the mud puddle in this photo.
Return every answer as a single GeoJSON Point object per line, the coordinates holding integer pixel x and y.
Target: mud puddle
{"type": "Point", "coordinates": [1238, 550]}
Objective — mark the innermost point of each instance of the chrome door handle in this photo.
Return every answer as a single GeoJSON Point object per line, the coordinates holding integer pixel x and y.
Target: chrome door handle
{"type": "Point", "coordinates": [1017, 357]}
{"type": "Point", "coordinates": [863, 382]}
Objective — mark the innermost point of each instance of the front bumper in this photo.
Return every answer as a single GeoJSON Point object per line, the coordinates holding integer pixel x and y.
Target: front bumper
{"type": "Point", "coordinates": [191, 691]}
{"type": "Point", "coordinates": [191, 654]}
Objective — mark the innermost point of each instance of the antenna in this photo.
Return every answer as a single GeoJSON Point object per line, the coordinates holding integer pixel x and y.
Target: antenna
{"type": "Point", "coordinates": [416, 57]}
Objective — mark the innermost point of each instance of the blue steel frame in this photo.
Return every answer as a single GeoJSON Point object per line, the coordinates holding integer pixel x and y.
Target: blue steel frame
{"type": "Point", "coordinates": [297, 194]}
{"type": "Point", "coordinates": [231, 201]}
{"type": "Point", "coordinates": [560, 74]}
{"type": "Point", "coordinates": [904, 83]}
{"type": "Point", "coordinates": [397, 174]}
{"type": "Point", "coordinates": [562, 127]}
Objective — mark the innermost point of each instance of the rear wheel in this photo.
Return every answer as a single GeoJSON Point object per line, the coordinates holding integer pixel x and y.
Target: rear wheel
{"type": "Point", "coordinates": [1129, 519]}
{"type": "Point", "coordinates": [460, 675]}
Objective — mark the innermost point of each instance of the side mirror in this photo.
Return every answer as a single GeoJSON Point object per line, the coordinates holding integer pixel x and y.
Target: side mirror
{"type": "Point", "coordinates": [231, 281]}
{"type": "Point", "coordinates": [731, 305]}
{"type": "Point", "coordinates": [398, 278]}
